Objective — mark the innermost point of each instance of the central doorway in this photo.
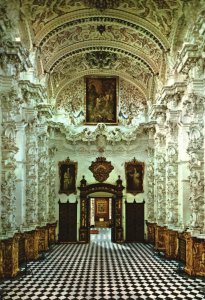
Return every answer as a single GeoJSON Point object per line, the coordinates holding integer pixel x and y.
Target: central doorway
{"type": "Point", "coordinates": [100, 212]}
{"type": "Point", "coordinates": [91, 191]}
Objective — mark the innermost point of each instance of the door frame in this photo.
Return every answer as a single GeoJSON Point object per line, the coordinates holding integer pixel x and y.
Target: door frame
{"type": "Point", "coordinates": [117, 192]}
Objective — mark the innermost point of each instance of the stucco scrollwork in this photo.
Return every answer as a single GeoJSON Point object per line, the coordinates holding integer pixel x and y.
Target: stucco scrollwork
{"type": "Point", "coordinates": [195, 137]}
{"type": "Point", "coordinates": [8, 202]}
{"type": "Point", "coordinates": [52, 170]}
{"type": "Point", "coordinates": [150, 180]}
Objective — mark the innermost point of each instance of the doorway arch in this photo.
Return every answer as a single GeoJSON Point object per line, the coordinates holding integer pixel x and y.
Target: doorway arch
{"type": "Point", "coordinates": [117, 192]}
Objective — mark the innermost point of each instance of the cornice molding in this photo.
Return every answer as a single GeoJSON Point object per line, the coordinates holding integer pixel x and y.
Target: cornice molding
{"type": "Point", "coordinates": [87, 135]}
{"type": "Point", "coordinates": [167, 91]}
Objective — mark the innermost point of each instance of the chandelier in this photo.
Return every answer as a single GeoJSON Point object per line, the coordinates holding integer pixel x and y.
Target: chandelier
{"type": "Point", "coordinates": [102, 4]}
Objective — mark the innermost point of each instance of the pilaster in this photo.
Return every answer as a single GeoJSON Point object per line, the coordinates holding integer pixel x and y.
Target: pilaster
{"type": "Point", "coordinates": [31, 215]}
{"type": "Point", "coordinates": [52, 180]}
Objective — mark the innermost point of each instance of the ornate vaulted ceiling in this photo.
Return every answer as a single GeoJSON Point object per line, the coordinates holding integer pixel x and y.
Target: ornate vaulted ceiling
{"type": "Point", "coordinates": [132, 39]}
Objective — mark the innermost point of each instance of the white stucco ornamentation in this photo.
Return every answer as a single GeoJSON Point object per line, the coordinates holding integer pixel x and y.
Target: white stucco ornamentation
{"type": "Point", "coordinates": [160, 187]}
{"type": "Point", "coordinates": [172, 184]}
{"type": "Point", "coordinates": [8, 204]}
{"type": "Point", "coordinates": [150, 190]}
{"type": "Point", "coordinates": [31, 213]}
{"type": "Point", "coordinates": [52, 181]}
{"type": "Point", "coordinates": [9, 108]}
{"type": "Point", "coordinates": [195, 151]}
{"type": "Point", "coordinates": [43, 178]}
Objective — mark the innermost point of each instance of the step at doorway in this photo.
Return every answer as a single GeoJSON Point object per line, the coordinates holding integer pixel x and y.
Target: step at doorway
{"type": "Point", "coordinates": [98, 234]}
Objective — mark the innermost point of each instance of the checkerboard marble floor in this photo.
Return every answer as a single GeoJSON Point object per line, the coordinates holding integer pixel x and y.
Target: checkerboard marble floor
{"type": "Point", "coordinates": [103, 270]}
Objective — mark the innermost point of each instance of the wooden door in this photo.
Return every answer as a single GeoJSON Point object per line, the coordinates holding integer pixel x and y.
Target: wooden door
{"type": "Point", "coordinates": [134, 222]}
{"type": "Point", "coordinates": [67, 222]}
{"type": "Point", "coordinates": [72, 226]}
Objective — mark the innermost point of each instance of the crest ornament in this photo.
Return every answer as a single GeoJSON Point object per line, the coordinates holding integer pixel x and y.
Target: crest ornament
{"type": "Point", "coordinates": [101, 169]}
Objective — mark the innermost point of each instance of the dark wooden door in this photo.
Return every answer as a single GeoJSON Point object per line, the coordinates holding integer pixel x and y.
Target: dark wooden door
{"type": "Point", "coordinates": [134, 222]}
{"type": "Point", "coordinates": [67, 222]}
{"type": "Point", "coordinates": [72, 223]}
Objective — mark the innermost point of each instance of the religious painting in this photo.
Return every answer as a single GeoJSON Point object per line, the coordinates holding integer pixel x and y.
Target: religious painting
{"type": "Point", "coordinates": [101, 211]}
{"type": "Point", "coordinates": [101, 207]}
{"type": "Point", "coordinates": [67, 175]}
{"type": "Point", "coordinates": [101, 100]}
{"type": "Point", "coordinates": [134, 171]}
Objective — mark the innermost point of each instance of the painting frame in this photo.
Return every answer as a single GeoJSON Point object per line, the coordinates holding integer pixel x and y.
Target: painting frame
{"type": "Point", "coordinates": [101, 100]}
{"type": "Point", "coordinates": [134, 172]}
{"type": "Point", "coordinates": [67, 177]}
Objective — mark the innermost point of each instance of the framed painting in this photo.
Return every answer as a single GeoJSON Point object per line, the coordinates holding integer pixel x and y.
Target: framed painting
{"type": "Point", "coordinates": [101, 100]}
{"type": "Point", "coordinates": [102, 207]}
{"type": "Point", "coordinates": [67, 176]}
{"type": "Point", "coordinates": [134, 171]}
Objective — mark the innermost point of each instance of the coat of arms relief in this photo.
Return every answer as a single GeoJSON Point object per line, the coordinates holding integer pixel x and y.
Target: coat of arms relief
{"type": "Point", "coordinates": [101, 169]}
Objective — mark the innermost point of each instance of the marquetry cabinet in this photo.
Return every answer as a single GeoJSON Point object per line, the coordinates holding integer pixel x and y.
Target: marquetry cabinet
{"type": "Point", "coordinates": [151, 232]}
{"type": "Point", "coordinates": [9, 257]}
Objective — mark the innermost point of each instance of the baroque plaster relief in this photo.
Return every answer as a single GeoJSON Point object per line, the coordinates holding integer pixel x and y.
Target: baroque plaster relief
{"type": "Point", "coordinates": [161, 13]}
{"type": "Point", "coordinates": [65, 70]}
{"type": "Point", "coordinates": [31, 175]}
{"type": "Point", "coordinates": [150, 190]}
{"type": "Point", "coordinates": [43, 165]}
{"type": "Point", "coordinates": [70, 36]}
{"type": "Point", "coordinates": [9, 107]}
{"type": "Point", "coordinates": [52, 181]}
{"type": "Point", "coordinates": [172, 184]}
{"type": "Point", "coordinates": [132, 103]}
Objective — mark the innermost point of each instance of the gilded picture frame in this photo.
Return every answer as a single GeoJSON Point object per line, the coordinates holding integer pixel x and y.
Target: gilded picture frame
{"type": "Point", "coordinates": [67, 177]}
{"type": "Point", "coordinates": [134, 171]}
{"type": "Point", "coordinates": [101, 100]}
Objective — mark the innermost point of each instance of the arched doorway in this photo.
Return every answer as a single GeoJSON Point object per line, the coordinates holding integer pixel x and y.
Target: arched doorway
{"type": "Point", "coordinates": [116, 192]}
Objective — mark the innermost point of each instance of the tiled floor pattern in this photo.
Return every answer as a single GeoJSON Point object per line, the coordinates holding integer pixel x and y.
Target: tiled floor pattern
{"type": "Point", "coordinates": [103, 270]}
